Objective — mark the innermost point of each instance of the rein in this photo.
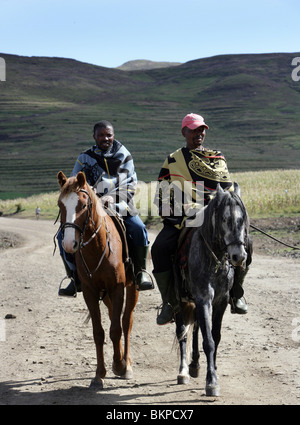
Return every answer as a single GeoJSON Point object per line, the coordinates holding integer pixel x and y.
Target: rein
{"type": "Point", "coordinates": [82, 230]}
{"type": "Point", "coordinates": [272, 237]}
{"type": "Point", "coordinates": [88, 272]}
{"type": "Point", "coordinates": [218, 262]}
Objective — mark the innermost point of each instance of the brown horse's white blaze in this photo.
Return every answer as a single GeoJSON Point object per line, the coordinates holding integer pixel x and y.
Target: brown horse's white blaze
{"type": "Point", "coordinates": [70, 243]}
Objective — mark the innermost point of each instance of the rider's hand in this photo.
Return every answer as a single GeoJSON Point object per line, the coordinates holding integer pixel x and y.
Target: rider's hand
{"type": "Point", "coordinates": [106, 200]}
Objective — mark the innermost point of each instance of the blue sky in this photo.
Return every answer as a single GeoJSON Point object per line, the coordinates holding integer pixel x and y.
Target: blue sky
{"type": "Point", "coordinates": [111, 32]}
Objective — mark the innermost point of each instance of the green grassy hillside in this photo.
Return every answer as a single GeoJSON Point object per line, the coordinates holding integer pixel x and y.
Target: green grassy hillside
{"type": "Point", "coordinates": [48, 107]}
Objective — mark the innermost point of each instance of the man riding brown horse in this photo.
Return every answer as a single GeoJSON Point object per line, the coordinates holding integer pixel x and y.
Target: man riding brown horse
{"type": "Point", "coordinates": [108, 167]}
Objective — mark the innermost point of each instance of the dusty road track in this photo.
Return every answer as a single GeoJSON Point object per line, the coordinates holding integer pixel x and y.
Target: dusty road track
{"type": "Point", "coordinates": [48, 355]}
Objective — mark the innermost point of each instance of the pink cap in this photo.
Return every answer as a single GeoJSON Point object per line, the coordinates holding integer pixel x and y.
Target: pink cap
{"type": "Point", "coordinates": [193, 121]}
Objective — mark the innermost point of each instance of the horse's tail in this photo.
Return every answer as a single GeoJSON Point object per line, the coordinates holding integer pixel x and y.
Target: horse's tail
{"type": "Point", "coordinates": [188, 334]}
{"type": "Point", "coordinates": [188, 312]}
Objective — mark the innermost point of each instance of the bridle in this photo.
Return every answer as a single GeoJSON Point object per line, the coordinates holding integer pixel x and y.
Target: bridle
{"type": "Point", "coordinates": [89, 217]}
{"type": "Point", "coordinates": [233, 241]}
{"type": "Point", "coordinates": [219, 264]}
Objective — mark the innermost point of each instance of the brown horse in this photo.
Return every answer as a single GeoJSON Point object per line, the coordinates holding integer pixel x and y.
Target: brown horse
{"type": "Point", "coordinates": [90, 234]}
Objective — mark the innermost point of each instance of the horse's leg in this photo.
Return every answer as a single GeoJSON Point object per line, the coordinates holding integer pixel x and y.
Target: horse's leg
{"type": "Point", "coordinates": [98, 333]}
{"type": "Point", "coordinates": [117, 298]}
{"type": "Point", "coordinates": [203, 317]}
{"type": "Point", "coordinates": [107, 303]}
{"type": "Point", "coordinates": [217, 317]}
{"type": "Point", "coordinates": [194, 366]}
{"type": "Point", "coordinates": [183, 377]}
{"type": "Point", "coordinates": [132, 296]}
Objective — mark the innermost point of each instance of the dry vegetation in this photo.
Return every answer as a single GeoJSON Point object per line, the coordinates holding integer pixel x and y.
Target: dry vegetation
{"type": "Point", "coordinates": [265, 194]}
{"type": "Point", "coordinates": [270, 193]}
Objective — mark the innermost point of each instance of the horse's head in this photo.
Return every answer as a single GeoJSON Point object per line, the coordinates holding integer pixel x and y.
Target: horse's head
{"type": "Point", "coordinates": [232, 224]}
{"type": "Point", "coordinates": [74, 203]}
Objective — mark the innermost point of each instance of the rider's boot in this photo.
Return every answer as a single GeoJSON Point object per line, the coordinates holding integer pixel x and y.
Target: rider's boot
{"type": "Point", "coordinates": [142, 277]}
{"type": "Point", "coordinates": [74, 285]}
{"type": "Point", "coordinates": [237, 302]}
{"type": "Point", "coordinates": [168, 296]}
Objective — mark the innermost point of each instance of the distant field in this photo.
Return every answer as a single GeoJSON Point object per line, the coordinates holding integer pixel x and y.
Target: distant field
{"type": "Point", "coordinates": [265, 194]}
{"type": "Point", "coordinates": [270, 193]}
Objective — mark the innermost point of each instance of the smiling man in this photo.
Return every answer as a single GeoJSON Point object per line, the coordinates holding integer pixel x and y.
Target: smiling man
{"type": "Point", "coordinates": [203, 168]}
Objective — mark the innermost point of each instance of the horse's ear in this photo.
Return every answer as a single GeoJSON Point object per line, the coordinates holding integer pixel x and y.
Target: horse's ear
{"type": "Point", "coordinates": [219, 188]}
{"type": "Point", "coordinates": [81, 179]}
{"type": "Point", "coordinates": [219, 192]}
{"type": "Point", "coordinates": [237, 189]}
{"type": "Point", "coordinates": [61, 178]}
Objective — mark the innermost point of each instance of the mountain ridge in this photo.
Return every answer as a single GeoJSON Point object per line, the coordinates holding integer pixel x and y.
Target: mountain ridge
{"type": "Point", "coordinates": [143, 64]}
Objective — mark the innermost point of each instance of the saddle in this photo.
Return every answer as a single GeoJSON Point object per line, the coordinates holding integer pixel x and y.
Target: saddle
{"type": "Point", "coordinates": [181, 272]}
{"type": "Point", "coordinates": [120, 226]}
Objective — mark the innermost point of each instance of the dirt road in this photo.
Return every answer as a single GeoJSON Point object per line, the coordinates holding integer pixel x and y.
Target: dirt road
{"type": "Point", "coordinates": [48, 355]}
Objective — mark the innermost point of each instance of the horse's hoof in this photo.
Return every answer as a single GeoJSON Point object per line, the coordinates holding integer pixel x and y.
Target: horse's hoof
{"type": "Point", "coordinates": [183, 379]}
{"type": "Point", "coordinates": [119, 369]}
{"type": "Point", "coordinates": [194, 371]}
{"type": "Point", "coordinates": [212, 390]}
{"type": "Point", "coordinates": [128, 374]}
{"type": "Point", "coordinates": [97, 384]}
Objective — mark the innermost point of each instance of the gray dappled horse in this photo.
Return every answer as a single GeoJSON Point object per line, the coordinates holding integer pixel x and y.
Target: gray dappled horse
{"type": "Point", "coordinates": [218, 246]}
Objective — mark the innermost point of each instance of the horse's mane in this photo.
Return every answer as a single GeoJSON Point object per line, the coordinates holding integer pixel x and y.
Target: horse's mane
{"type": "Point", "coordinates": [73, 185]}
{"type": "Point", "coordinates": [213, 216]}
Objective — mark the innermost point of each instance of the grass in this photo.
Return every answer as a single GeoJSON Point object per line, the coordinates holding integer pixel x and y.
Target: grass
{"type": "Point", "coordinates": [272, 193]}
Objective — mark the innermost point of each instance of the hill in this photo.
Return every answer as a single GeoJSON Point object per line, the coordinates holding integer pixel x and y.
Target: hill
{"type": "Point", "coordinates": [49, 106]}
{"type": "Point", "coordinates": [143, 64]}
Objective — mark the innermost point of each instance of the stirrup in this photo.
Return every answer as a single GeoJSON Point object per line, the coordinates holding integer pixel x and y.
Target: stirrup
{"type": "Point", "coordinates": [151, 280]}
{"type": "Point", "coordinates": [236, 310]}
{"type": "Point", "coordinates": [59, 288]}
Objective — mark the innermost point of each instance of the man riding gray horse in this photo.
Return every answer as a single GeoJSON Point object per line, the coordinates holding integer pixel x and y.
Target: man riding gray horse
{"type": "Point", "coordinates": [204, 169]}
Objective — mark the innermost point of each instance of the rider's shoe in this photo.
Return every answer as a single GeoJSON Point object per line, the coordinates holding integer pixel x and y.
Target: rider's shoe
{"type": "Point", "coordinates": [238, 306]}
{"type": "Point", "coordinates": [69, 291]}
{"type": "Point", "coordinates": [170, 305]}
{"type": "Point", "coordinates": [166, 315]}
{"type": "Point", "coordinates": [237, 301]}
{"type": "Point", "coordinates": [73, 287]}
{"type": "Point", "coordinates": [142, 277]}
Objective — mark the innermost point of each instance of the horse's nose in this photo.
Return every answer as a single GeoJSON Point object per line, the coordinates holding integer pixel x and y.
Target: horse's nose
{"type": "Point", "coordinates": [70, 246]}
{"type": "Point", "coordinates": [235, 258]}
{"type": "Point", "coordinates": [237, 254]}
{"type": "Point", "coordinates": [238, 259]}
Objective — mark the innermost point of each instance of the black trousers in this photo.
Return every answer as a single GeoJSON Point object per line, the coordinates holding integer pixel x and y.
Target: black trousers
{"type": "Point", "coordinates": [164, 248]}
